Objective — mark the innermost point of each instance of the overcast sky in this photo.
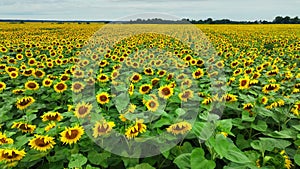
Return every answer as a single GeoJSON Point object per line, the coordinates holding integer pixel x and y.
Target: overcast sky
{"type": "Point", "coordinates": [116, 9]}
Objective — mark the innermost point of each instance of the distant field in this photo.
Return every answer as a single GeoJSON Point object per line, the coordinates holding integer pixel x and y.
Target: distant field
{"type": "Point", "coordinates": [65, 89]}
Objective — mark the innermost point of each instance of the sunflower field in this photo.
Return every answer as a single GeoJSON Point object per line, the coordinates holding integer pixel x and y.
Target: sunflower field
{"type": "Point", "coordinates": [109, 96]}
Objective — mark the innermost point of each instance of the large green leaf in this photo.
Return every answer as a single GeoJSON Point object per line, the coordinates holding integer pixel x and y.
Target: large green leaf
{"type": "Point", "coordinates": [183, 161]}
{"type": "Point", "coordinates": [198, 161]}
{"type": "Point", "coordinates": [77, 160]}
{"type": "Point", "coordinates": [142, 166]}
{"type": "Point", "coordinates": [98, 158]}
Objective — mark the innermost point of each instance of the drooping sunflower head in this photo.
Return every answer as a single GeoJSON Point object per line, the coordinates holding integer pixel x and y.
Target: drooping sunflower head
{"type": "Point", "coordinates": [82, 109]}
{"type": "Point", "coordinates": [24, 102]}
{"type": "Point", "coordinates": [42, 143]}
{"type": "Point", "coordinates": [10, 155]}
{"type": "Point", "coordinates": [138, 127]}
{"type": "Point", "coordinates": [102, 128]}
{"type": "Point", "coordinates": [2, 86]}
{"type": "Point", "coordinates": [5, 140]}
{"type": "Point", "coordinates": [271, 88]}
{"type": "Point", "coordinates": [24, 127]}
{"type": "Point", "coordinates": [52, 116]}
{"type": "Point", "coordinates": [71, 134]}
{"type": "Point", "coordinates": [231, 98]}
{"type": "Point", "coordinates": [248, 106]}
{"type": "Point", "coordinates": [179, 128]}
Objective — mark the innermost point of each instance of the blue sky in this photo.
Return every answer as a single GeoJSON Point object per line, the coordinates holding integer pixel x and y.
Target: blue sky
{"type": "Point", "coordinates": [116, 9]}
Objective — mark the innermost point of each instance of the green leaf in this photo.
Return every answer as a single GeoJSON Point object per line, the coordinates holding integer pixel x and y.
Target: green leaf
{"type": "Point", "coordinates": [198, 161]}
{"type": "Point", "coordinates": [90, 167]}
{"type": "Point", "coordinates": [203, 130]}
{"type": "Point", "coordinates": [77, 160]}
{"type": "Point", "coordinates": [161, 122]}
{"type": "Point", "coordinates": [122, 102]}
{"type": "Point", "coordinates": [183, 161]}
{"type": "Point", "coordinates": [227, 149]}
{"type": "Point", "coordinates": [179, 112]}
{"type": "Point", "coordinates": [246, 117]}
{"type": "Point", "coordinates": [98, 158]}
{"type": "Point", "coordinates": [297, 159]}
{"type": "Point", "coordinates": [260, 126]}
{"type": "Point", "coordinates": [130, 162]}
{"type": "Point", "coordinates": [142, 166]}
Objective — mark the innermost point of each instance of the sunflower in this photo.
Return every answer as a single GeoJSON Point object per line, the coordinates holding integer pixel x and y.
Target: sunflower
{"type": "Point", "coordinates": [102, 78]}
{"type": "Point", "coordinates": [161, 73]}
{"type": "Point", "coordinates": [52, 116]}
{"type": "Point", "coordinates": [136, 77]}
{"type": "Point", "coordinates": [11, 154]}
{"type": "Point", "coordinates": [24, 102]}
{"type": "Point", "coordinates": [5, 140]}
{"type": "Point", "coordinates": [64, 77]}
{"type": "Point", "coordinates": [207, 101]}
{"type": "Point", "coordinates": [152, 105]}
{"type": "Point", "coordinates": [71, 134]}
{"type": "Point", "coordinates": [237, 72]}
{"type": "Point", "coordinates": [231, 98]}
{"type": "Point", "coordinates": [28, 72]}
{"type": "Point", "coordinates": [154, 81]}
{"type": "Point", "coordinates": [78, 73]}
{"type": "Point", "coordinates": [122, 117]}
{"type": "Point", "coordinates": [244, 83]}
{"type": "Point", "coordinates": [185, 95]}
{"type": "Point", "coordinates": [114, 74]}
{"type": "Point", "coordinates": [145, 88]}
{"type": "Point", "coordinates": [102, 128]}
{"type": "Point", "coordinates": [234, 63]}
{"type": "Point", "coordinates": [102, 98]}
{"type": "Point", "coordinates": [179, 128]}
{"type": "Point", "coordinates": [77, 87]}
{"type": "Point", "coordinates": [148, 71]}
{"type": "Point", "coordinates": [2, 86]}
{"type": "Point", "coordinates": [50, 125]}
{"type": "Point", "coordinates": [133, 131]}
{"type": "Point", "coordinates": [271, 87]}
{"type": "Point", "coordinates": [31, 85]}
{"type": "Point", "coordinates": [60, 87]}
{"type": "Point", "coordinates": [42, 143]}
{"type": "Point", "coordinates": [82, 109]}
{"type": "Point", "coordinates": [264, 100]}
{"type": "Point", "coordinates": [198, 73]}
{"type": "Point", "coordinates": [26, 128]}
{"type": "Point", "coordinates": [296, 109]}
{"type": "Point", "coordinates": [220, 64]}
{"type": "Point", "coordinates": [47, 82]}
{"type": "Point", "coordinates": [165, 91]}
{"type": "Point", "coordinates": [131, 89]}
{"type": "Point", "coordinates": [248, 106]}
{"type": "Point", "coordinates": [39, 73]}
{"type": "Point", "coordinates": [13, 74]}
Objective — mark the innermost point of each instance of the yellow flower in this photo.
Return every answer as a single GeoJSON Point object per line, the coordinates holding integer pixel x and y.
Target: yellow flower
{"type": "Point", "coordinates": [27, 128]}
{"type": "Point", "coordinates": [136, 77]}
{"type": "Point", "coordinates": [5, 140]}
{"type": "Point", "coordinates": [31, 85]}
{"type": "Point", "coordinates": [145, 88]}
{"type": "Point", "coordinates": [103, 98]}
{"type": "Point", "coordinates": [77, 87]}
{"type": "Point", "coordinates": [271, 88]}
{"type": "Point", "coordinates": [10, 155]}
{"type": "Point", "coordinates": [102, 128]}
{"type": "Point", "coordinates": [185, 95]}
{"type": "Point", "coordinates": [24, 102]}
{"type": "Point", "coordinates": [42, 143]}
{"type": "Point", "coordinates": [179, 128]}
{"type": "Point", "coordinates": [60, 87]}
{"type": "Point", "coordinates": [198, 73]}
{"type": "Point", "coordinates": [244, 83]}
{"type": "Point", "coordinates": [47, 82]}
{"type": "Point", "coordinates": [152, 105]}
{"type": "Point", "coordinates": [52, 116]}
{"type": "Point", "coordinates": [2, 86]}
{"type": "Point", "coordinates": [231, 98]}
{"type": "Point", "coordinates": [49, 126]}
{"type": "Point", "coordinates": [138, 127]}
{"type": "Point", "coordinates": [71, 134]}
{"type": "Point", "coordinates": [165, 91]}
{"type": "Point", "coordinates": [82, 109]}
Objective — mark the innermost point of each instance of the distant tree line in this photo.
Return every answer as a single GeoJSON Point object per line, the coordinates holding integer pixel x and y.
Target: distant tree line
{"type": "Point", "coordinates": [277, 20]}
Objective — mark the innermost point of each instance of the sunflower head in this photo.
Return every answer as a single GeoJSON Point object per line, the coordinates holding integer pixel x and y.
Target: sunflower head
{"type": "Point", "coordinates": [11, 155]}
{"type": "Point", "coordinates": [71, 134]}
{"type": "Point", "coordinates": [42, 143]}
{"type": "Point", "coordinates": [102, 128]}
{"type": "Point", "coordinates": [52, 116]}
{"type": "Point", "coordinates": [179, 128]}
{"type": "Point", "coordinates": [82, 109]}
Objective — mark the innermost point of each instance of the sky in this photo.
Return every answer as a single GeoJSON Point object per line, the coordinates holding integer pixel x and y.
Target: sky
{"type": "Point", "coordinates": [113, 10]}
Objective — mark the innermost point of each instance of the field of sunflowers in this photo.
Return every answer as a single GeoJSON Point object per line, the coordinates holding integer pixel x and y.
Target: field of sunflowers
{"type": "Point", "coordinates": [96, 96]}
